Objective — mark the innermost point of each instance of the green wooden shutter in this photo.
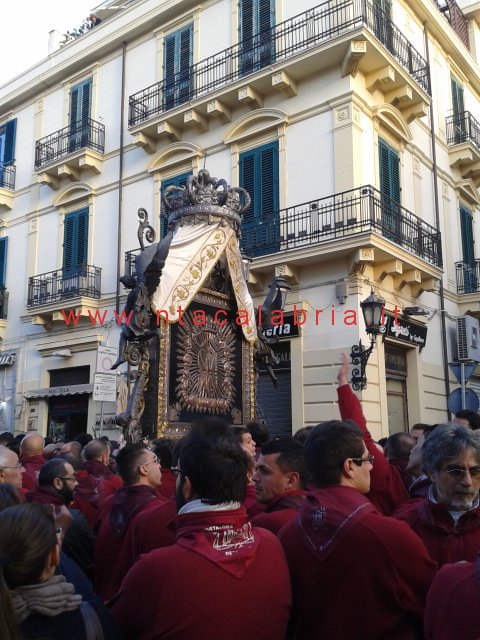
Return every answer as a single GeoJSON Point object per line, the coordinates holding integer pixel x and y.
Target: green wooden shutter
{"type": "Point", "coordinates": [177, 66]}
{"type": "Point", "coordinates": [457, 98]}
{"type": "Point", "coordinates": [75, 241]}
{"type": "Point", "coordinates": [80, 102]}
{"type": "Point", "coordinates": [9, 150]}
{"type": "Point", "coordinates": [247, 182]}
{"type": "Point", "coordinates": [246, 21]}
{"type": "Point", "coordinates": [389, 166]}
{"type": "Point", "coordinates": [177, 181]}
{"type": "Point", "coordinates": [3, 261]}
{"type": "Point", "coordinates": [259, 176]}
{"type": "Point", "coordinates": [468, 250]}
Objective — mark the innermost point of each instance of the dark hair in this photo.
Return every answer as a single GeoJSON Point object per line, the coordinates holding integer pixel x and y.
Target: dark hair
{"type": "Point", "coordinates": [259, 431]}
{"type": "Point", "coordinates": [8, 496]}
{"type": "Point", "coordinates": [302, 434]}
{"type": "Point", "coordinates": [382, 442]}
{"type": "Point", "coordinates": [83, 438]}
{"type": "Point", "coordinates": [419, 426]}
{"type": "Point", "coordinates": [129, 459]}
{"type": "Point", "coordinates": [27, 536]}
{"type": "Point", "coordinates": [327, 447]}
{"type": "Point", "coordinates": [52, 469]}
{"type": "Point", "coordinates": [291, 458]}
{"type": "Point", "coordinates": [215, 429]}
{"type": "Point", "coordinates": [399, 445]}
{"type": "Point", "coordinates": [472, 416]}
{"type": "Point", "coordinates": [447, 442]}
{"type": "Point", "coordinates": [163, 447]}
{"type": "Point", "coordinates": [6, 437]}
{"type": "Point", "coordinates": [238, 432]}
{"type": "Point", "coordinates": [216, 469]}
{"type": "Point", "coordinates": [95, 449]}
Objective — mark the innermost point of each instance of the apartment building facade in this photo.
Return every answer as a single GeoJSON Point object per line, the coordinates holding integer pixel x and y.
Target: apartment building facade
{"type": "Point", "coordinates": [353, 124]}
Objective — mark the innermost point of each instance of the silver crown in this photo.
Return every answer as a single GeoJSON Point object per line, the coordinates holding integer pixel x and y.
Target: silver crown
{"type": "Point", "coordinates": [205, 195]}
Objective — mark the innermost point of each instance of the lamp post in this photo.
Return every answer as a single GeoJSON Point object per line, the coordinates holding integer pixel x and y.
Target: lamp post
{"type": "Point", "coordinates": [373, 315]}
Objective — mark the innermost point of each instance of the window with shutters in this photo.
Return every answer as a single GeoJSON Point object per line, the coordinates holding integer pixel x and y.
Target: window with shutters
{"type": "Point", "coordinates": [389, 163]}
{"type": "Point", "coordinates": [382, 20]}
{"type": "Point", "coordinates": [7, 151]}
{"type": "Point", "coordinates": [257, 45]}
{"type": "Point", "coordinates": [458, 112]}
{"type": "Point", "coordinates": [177, 67]}
{"type": "Point", "coordinates": [80, 113]}
{"type": "Point", "coordinates": [468, 250]}
{"type": "Point", "coordinates": [177, 181]}
{"type": "Point", "coordinates": [75, 245]}
{"type": "Point", "coordinates": [3, 261]}
{"type": "Point", "coordinates": [261, 221]}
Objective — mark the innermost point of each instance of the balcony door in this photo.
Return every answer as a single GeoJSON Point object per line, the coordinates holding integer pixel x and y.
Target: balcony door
{"type": "Point", "coordinates": [79, 118]}
{"type": "Point", "coordinates": [468, 251]}
{"type": "Point", "coordinates": [75, 252]}
{"type": "Point", "coordinates": [177, 181]}
{"type": "Point", "coordinates": [389, 163]}
{"type": "Point", "coordinates": [257, 46]}
{"type": "Point", "coordinates": [458, 112]}
{"type": "Point", "coordinates": [382, 23]}
{"type": "Point", "coordinates": [261, 221]}
{"type": "Point", "coordinates": [177, 67]}
{"type": "Point", "coordinates": [7, 149]}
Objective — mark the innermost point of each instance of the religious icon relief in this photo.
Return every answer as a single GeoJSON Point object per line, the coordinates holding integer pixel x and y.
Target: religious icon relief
{"type": "Point", "coordinates": [206, 366]}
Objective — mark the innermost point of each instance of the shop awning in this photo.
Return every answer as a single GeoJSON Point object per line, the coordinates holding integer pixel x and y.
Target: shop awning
{"type": "Point", "coordinates": [67, 390]}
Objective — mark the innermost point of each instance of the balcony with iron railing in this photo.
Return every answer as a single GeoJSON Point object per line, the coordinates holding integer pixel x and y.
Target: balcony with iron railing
{"type": "Point", "coordinates": [468, 277]}
{"type": "Point", "coordinates": [7, 184]}
{"type": "Point", "coordinates": [342, 215]}
{"type": "Point", "coordinates": [284, 46]}
{"type": "Point", "coordinates": [455, 17]}
{"type": "Point", "coordinates": [61, 286]}
{"type": "Point", "coordinates": [70, 150]}
{"type": "Point", "coordinates": [463, 138]}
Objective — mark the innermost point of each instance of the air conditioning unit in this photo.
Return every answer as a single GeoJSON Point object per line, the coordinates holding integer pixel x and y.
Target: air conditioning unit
{"type": "Point", "coordinates": [468, 345]}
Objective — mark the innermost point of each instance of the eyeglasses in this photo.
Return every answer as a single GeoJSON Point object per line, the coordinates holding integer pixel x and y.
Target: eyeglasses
{"type": "Point", "coordinates": [459, 473]}
{"type": "Point", "coordinates": [176, 471]}
{"type": "Point", "coordinates": [154, 459]}
{"type": "Point", "coordinates": [360, 461]}
{"type": "Point", "coordinates": [13, 466]}
{"type": "Point", "coordinates": [68, 478]}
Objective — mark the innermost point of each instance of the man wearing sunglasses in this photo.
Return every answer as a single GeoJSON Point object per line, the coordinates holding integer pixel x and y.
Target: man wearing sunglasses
{"type": "Point", "coordinates": [355, 573]}
{"type": "Point", "coordinates": [448, 520]}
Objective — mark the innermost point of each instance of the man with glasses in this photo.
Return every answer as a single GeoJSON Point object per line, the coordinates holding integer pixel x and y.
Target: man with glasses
{"type": "Point", "coordinates": [11, 469]}
{"type": "Point", "coordinates": [355, 573]}
{"type": "Point", "coordinates": [448, 519]}
{"type": "Point", "coordinates": [139, 468]}
{"type": "Point", "coordinates": [55, 486]}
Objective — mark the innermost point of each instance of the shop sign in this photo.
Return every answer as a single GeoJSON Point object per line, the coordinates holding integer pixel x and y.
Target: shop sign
{"type": "Point", "coordinates": [406, 331]}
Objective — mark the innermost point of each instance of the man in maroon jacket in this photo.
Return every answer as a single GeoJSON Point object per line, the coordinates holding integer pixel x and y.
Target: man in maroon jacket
{"type": "Point", "coordinates": [96, 454]}
{"type": "Point", "coordinates": [280, 480]}
{"type": "Point", "coordinates": [448, 520]}
{"type": "Point", "coordinates": [219, 565]}
{"type": "Point", "coordinates": [355, 573]}
{"type": "Point", "coordinates": [31, 457]}
{"type": "Point", "coordinates": [140, 470]}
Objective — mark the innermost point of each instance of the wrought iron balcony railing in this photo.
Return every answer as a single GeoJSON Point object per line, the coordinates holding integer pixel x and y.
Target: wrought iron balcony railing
{"type": "Point", "coordinates": [61, 285]}
{"type": "Point", "coordinates": [463, 127]}
{"type": "Point", "coordinates": [342, 215]}
{"type": "Point", "coordinates": [468, 276]}
{"type": "Point", "coordinates": [88, 133]}
{"type": "Point", "coordinates": [455, 17]}
{"type": "Point", "coordinates": [7, 177]}
{"type": "Point", "coordinates": [307, 30]}
{"type": "Point", "coordinates": [3, 304]}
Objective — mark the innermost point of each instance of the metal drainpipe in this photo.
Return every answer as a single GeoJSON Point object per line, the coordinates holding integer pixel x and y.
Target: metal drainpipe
{"type": "Point", "coordinates": [446, 371]}
{"type": "Point", "coordinates": [120, 180]}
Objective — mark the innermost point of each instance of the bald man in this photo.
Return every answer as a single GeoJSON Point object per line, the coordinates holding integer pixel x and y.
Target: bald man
{"type": "Point", "coordinates": [31, 456]}
{"type": "Point", "coordinates": [11, 469]}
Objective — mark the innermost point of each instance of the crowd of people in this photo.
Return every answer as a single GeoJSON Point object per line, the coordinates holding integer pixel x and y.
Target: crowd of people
{"type": "Point", "coordinates": [226, 533]}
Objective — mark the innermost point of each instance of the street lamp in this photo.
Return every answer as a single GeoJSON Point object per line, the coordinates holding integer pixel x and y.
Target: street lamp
{"type": "Point", "coordinates": [373, 315]}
